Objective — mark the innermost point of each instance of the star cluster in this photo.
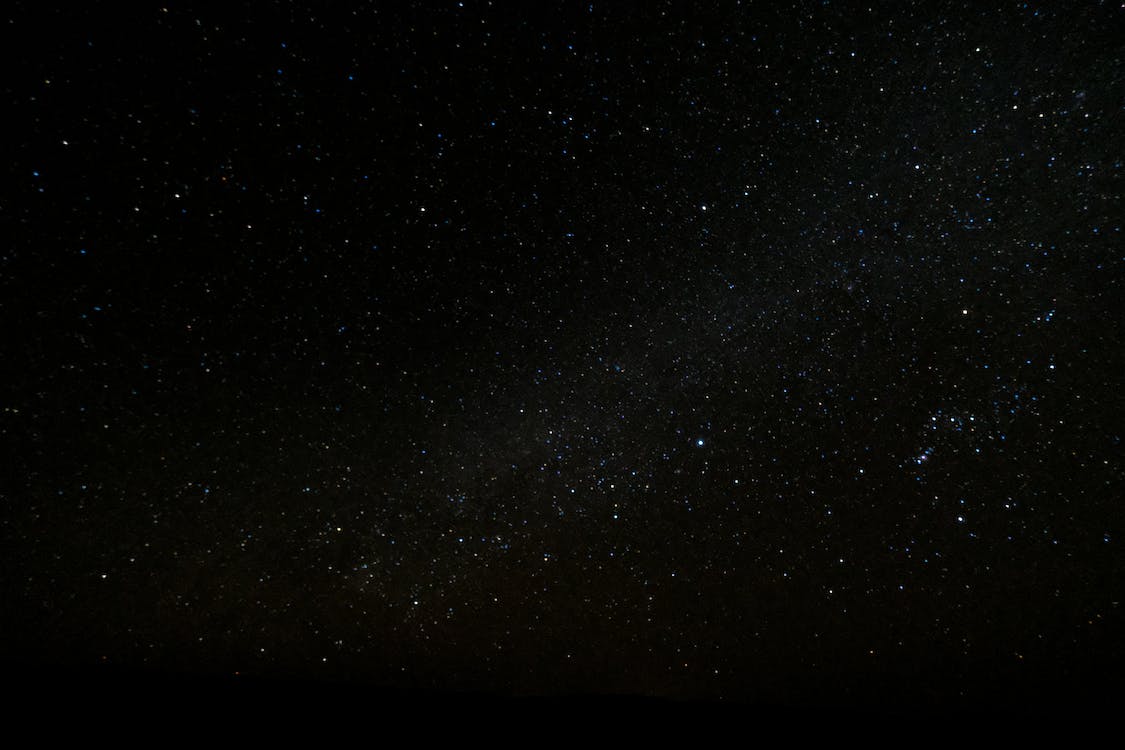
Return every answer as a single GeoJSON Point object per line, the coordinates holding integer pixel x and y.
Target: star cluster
{"type": "Point", "coordinates": [754, 352]}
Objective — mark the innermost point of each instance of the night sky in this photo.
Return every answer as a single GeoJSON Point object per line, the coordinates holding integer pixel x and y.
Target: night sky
{"type": "Point", "coordinates": [760, 352]}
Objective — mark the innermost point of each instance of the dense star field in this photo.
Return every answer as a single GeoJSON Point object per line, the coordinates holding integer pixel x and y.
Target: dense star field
{"type": "Point", "coordinates": [755, 352]}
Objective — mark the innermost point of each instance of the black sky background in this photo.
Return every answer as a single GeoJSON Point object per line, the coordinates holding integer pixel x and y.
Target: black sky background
{"type": "Point", "coordinates": [755, 352]}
